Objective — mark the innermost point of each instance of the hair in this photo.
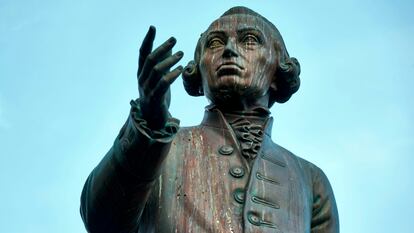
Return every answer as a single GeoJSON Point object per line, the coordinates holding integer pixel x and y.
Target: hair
{"type": "Point", "coordinates": [287, 73]}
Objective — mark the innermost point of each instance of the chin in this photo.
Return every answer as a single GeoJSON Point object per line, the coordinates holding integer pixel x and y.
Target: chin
{"type": "Point", "coordinates": [232, 83]}
{"type": "Point", "coordinates": [229, 79]}
{"type": "Point", "coordinates": [228, 94]}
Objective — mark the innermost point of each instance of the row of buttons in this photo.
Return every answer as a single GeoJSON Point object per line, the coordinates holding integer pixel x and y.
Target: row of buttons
{"type": "Point", "coordinates": [236, 172]}
{"type": "Point", "coordinates": [239, 193]}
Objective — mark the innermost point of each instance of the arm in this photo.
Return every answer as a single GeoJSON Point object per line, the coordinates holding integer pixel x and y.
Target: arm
{"type": "Point", "coordinates": [324, 210]}
{"type": "Point", "coordinates": [116, 191]}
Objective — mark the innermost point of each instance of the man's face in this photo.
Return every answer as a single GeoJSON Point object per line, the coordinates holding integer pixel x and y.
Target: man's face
{"type": "Point", "coordinates": [238, 58]}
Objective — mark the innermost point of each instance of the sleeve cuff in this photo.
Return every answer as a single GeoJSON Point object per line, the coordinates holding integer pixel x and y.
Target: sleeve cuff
{"type": "Point", "coordinates": [163, 135]}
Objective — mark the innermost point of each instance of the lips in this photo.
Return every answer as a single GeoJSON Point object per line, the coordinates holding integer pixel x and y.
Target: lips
{"type": "Point", "coordinates": [229, 68]}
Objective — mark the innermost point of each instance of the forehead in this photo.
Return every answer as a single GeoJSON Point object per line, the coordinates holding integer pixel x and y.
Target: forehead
{"type": "Point", "coordinates": [238, 22]}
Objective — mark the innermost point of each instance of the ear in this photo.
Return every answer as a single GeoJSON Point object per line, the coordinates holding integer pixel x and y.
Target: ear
{"type": "Point", "coordinates": [192, 80]}
{"type": "Point", "coordinates": [287, 81]}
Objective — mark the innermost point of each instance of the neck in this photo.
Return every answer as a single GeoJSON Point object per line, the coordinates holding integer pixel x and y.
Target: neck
{"type": "Point", "coordinates": [240, 104]}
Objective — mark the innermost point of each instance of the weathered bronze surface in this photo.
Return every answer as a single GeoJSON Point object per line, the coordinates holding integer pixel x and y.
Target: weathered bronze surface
{"type": "Point", "coordinates": [225, 175]}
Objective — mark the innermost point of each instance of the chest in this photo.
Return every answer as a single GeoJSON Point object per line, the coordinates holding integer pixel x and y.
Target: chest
{"type": "Point", "coordinates": [206, 186]}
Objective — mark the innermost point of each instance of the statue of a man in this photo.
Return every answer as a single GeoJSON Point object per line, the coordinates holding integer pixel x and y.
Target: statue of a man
{"type": "Point", "coordinates": [225, 175]}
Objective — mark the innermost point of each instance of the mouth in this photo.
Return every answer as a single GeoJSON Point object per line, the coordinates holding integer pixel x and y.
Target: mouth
{"type": "Point", "coordinates": [229, 68]}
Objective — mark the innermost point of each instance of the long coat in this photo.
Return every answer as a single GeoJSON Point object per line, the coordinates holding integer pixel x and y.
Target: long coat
{"type": "Point", "coordinates": [195, 180]}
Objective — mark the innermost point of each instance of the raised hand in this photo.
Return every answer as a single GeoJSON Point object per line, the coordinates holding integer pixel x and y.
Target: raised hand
{"type": "Point", "coordinates": [155, 78]}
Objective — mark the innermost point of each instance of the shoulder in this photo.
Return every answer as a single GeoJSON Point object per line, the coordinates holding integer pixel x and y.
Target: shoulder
{"type": "Point", "coordinates": [319, 181]}
{"type": "Point", "coordinates": [311, 170]}
{"type": "Point", "coordinates": [303, 163]}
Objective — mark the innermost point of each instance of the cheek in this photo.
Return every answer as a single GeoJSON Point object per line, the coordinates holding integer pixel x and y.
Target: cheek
{"type": "Point", "coordinates": [264, 69]}
{"type": "Point", "coordinates": [205, 73]}
{"type": "Point", "coordinates": [261, 66]}
{"type": "Point", "coordinates": [206, 65]}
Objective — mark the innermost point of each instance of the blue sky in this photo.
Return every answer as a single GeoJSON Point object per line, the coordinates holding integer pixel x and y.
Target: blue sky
{"type": "Point", "coordinates": [67, 73]}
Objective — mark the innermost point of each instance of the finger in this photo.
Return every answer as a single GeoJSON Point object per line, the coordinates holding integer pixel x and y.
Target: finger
{"type": "Point", "coordinates": [166, 81]}
{"type": "Point", "coordinates": [146, 47]}
{"type": "Point", "coordinates": [153, 58]}
{"type": "Point", "coordinates": [161, 68]}
{"type": "Point", "coordinates": [153, 75]}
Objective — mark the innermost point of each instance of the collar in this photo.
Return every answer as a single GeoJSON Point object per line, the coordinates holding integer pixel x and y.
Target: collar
{"type": "Point", "coordinates": [213, 117]}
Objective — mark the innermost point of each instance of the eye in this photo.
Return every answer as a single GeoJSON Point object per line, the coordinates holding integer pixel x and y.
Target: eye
{"type": "Point", "coordinates": [215, 43]}
{"type": "Point", "coordinates": [250, 40]}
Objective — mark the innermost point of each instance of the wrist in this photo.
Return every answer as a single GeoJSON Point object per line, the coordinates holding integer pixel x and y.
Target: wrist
{"type": "Point", "coordinates": [156, 115]}
{"type": "Point", "coordinates": [154, 127]}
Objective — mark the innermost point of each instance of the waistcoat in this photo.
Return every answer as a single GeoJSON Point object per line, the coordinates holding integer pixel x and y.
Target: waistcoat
{"type": "Point", "coordinates": [206, 186]}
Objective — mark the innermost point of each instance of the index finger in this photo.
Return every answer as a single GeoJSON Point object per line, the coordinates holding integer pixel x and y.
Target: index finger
{"type": "Point", "coordinates": [146, 47]}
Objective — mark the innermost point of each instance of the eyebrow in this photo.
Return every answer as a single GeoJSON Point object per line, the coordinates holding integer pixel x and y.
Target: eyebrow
{"type": "Point", "coordinates": [215, 32]}
{"type": "Point", "coordinates": [249, 28]}
{"type": "Point", "coordinates": [239, 30]}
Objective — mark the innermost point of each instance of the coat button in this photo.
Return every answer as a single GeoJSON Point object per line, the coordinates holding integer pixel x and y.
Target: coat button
{"type": "Point", "coordinates": [237, 172]}
{"type": "Point", "coordinates": [226, 150]}
{"type": "Point", "coordinates": [253, 219]}
{"type": "Point", "coordinates": [238, 195]}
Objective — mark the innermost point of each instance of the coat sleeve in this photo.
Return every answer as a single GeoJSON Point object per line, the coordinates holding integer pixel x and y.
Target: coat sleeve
{"type": "Point", "coordinates": [116, 191]}
{"type": "Point", "coordinates": [324, 211]}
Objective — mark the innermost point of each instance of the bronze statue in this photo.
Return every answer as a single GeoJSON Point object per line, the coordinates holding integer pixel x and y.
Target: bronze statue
{"type": "Point", "coordinates": [225, 175]}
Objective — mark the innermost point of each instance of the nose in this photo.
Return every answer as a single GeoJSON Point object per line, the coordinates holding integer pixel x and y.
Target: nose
{"type": "Point", "coordinates": [230, 49]}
